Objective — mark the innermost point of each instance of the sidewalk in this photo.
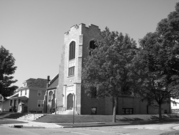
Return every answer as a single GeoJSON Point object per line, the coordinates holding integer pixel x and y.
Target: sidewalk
{"type": "Point", "coordinates": [33, 124]}
{"type": "Point", "coordinates": [92, 124]}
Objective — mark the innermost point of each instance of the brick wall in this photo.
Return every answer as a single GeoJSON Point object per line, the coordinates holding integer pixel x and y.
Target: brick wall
{"type": "Point", "coordinates": [33, 98]}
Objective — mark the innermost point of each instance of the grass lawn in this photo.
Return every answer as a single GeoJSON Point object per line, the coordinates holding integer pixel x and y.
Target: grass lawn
{"type": "Point", "coordinates": [11, 115]}
{"type": "Point", "coordinates": [171, 133]}
{"type": "Point", "coordinates": [7, 121]}
{"type": "Point", "coordinates": [3, 113]}
{"type": "Point", "coordinates": [9, 118]}
{"type": "Point", "coordinates": [130, 119]}
{"type": "Point", "coordinates": [77, 118]}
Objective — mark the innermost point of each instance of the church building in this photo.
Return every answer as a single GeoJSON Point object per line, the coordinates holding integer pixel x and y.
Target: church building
{"type": "Point", "coordinates": [71, 96]}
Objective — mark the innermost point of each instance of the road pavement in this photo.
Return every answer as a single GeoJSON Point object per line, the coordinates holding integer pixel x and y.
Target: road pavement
{"type": "Point", "coordinates": [38, 128]}
{"type": "Point", "coordinates": [110, 130]}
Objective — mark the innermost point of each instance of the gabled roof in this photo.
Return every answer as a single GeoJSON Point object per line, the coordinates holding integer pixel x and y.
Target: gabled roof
{"type": "Point", "coordinates": [39, 82]}
{"type": "Point", "coordinates": [13, 96]}
{"type": "Point", "coordinates": [53, 83]}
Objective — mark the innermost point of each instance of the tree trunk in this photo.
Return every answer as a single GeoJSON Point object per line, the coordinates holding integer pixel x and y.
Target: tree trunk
{"type": "Point", "coordinates": [147, 108]}
{"type": "Point", "coordinates": [1, 80]}
{"type": "Point", "coordinates": [160, 112]}
{"type": "Point", "coordinates": [114, 109]}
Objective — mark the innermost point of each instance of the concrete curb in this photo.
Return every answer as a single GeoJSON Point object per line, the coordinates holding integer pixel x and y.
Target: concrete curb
{"type": "Point", "coordinates": [67, 125]}
{"type": "Point", "coordinates": [92, 125]}
{"type": "Point", "coordinates": [22, 126]}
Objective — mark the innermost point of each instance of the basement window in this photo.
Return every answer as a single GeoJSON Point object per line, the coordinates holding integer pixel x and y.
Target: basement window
{"type": "Point", "coordinates": [94, 110]}
{"type": "Point", "coordinates": [127, 110]}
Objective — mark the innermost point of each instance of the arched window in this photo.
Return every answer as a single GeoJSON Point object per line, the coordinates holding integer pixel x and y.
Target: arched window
{"type": "Point", "coordinates": [50, 96]}
{"type": "Point", "coordinates": [72, 50]}
{"type": "Point", "coordinates": [92, 46]}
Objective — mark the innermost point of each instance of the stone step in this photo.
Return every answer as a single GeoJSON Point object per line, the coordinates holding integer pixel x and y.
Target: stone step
{"type": "Point", "coordinates": [66, 112]}
{"type": "Point", "coordinates": [31, 117]}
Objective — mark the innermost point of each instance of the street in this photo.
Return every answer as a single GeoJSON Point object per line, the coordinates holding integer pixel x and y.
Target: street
{"type": "Point", "coordinates": [110, 130]}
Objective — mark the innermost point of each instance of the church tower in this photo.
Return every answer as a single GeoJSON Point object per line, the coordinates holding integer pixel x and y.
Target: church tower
{"type": "Point", "coordinates": [77, 42]}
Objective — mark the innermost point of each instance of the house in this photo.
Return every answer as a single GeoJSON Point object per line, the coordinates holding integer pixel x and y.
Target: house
{"type": "Point", "coordinates": [4, 104]}
{"type": "Point", "coordinates": [174, 105]}
{"type": "Point", "coordinates": [71, 96]}
{"type": "Point", "coordinates": [50, 101]}
{"type": "Point", "coordinates": [29, 97]}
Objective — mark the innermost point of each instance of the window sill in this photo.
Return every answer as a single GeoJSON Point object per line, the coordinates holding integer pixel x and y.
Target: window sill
{"type": "Point", "coordinates": [70, 76]}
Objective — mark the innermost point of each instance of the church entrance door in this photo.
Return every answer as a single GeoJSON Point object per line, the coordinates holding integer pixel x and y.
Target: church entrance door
{"type": "Point", "coordinates": [70, 102]}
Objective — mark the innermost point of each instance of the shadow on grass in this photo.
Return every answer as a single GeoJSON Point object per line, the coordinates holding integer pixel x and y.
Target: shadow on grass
{"type": "Point", "coordinates": [134, 121]}
{"type": "Point", "coordinates": [171, 133]}
{"type": "Point", "coordinates": [14, 115]}
{"type": "Point", "coordinates": [3, 113]}
{"type": "Point", "coordinates": [130, 119]}
{"type": "Point", "coordinates": [152, 120]}
{"type": "Point", "coordinates": [6, 121]}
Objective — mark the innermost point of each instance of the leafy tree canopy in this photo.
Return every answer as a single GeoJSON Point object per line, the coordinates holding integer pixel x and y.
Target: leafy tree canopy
{"type": "Point", "coordinates": [157, 63]}
{"type": "Point", "coordinates": [7, 68]}
{"type": "Point", "coordinates": [107, 67]}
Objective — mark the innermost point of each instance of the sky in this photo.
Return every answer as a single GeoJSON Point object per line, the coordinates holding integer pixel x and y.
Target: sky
{"type": "Point", "coordinates": [33, 30]}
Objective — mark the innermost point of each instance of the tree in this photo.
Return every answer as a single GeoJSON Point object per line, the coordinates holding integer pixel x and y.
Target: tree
{"type": "Point", "coordinates": [156, 67]}
{"type": "Point", "coordinates": [107, 68]}
{"type": "Point", "coordinates": [7, 68]}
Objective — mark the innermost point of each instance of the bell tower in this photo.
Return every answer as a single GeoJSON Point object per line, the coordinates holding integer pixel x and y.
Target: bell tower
{"type": "Point", "coordinates": [75, 49]}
